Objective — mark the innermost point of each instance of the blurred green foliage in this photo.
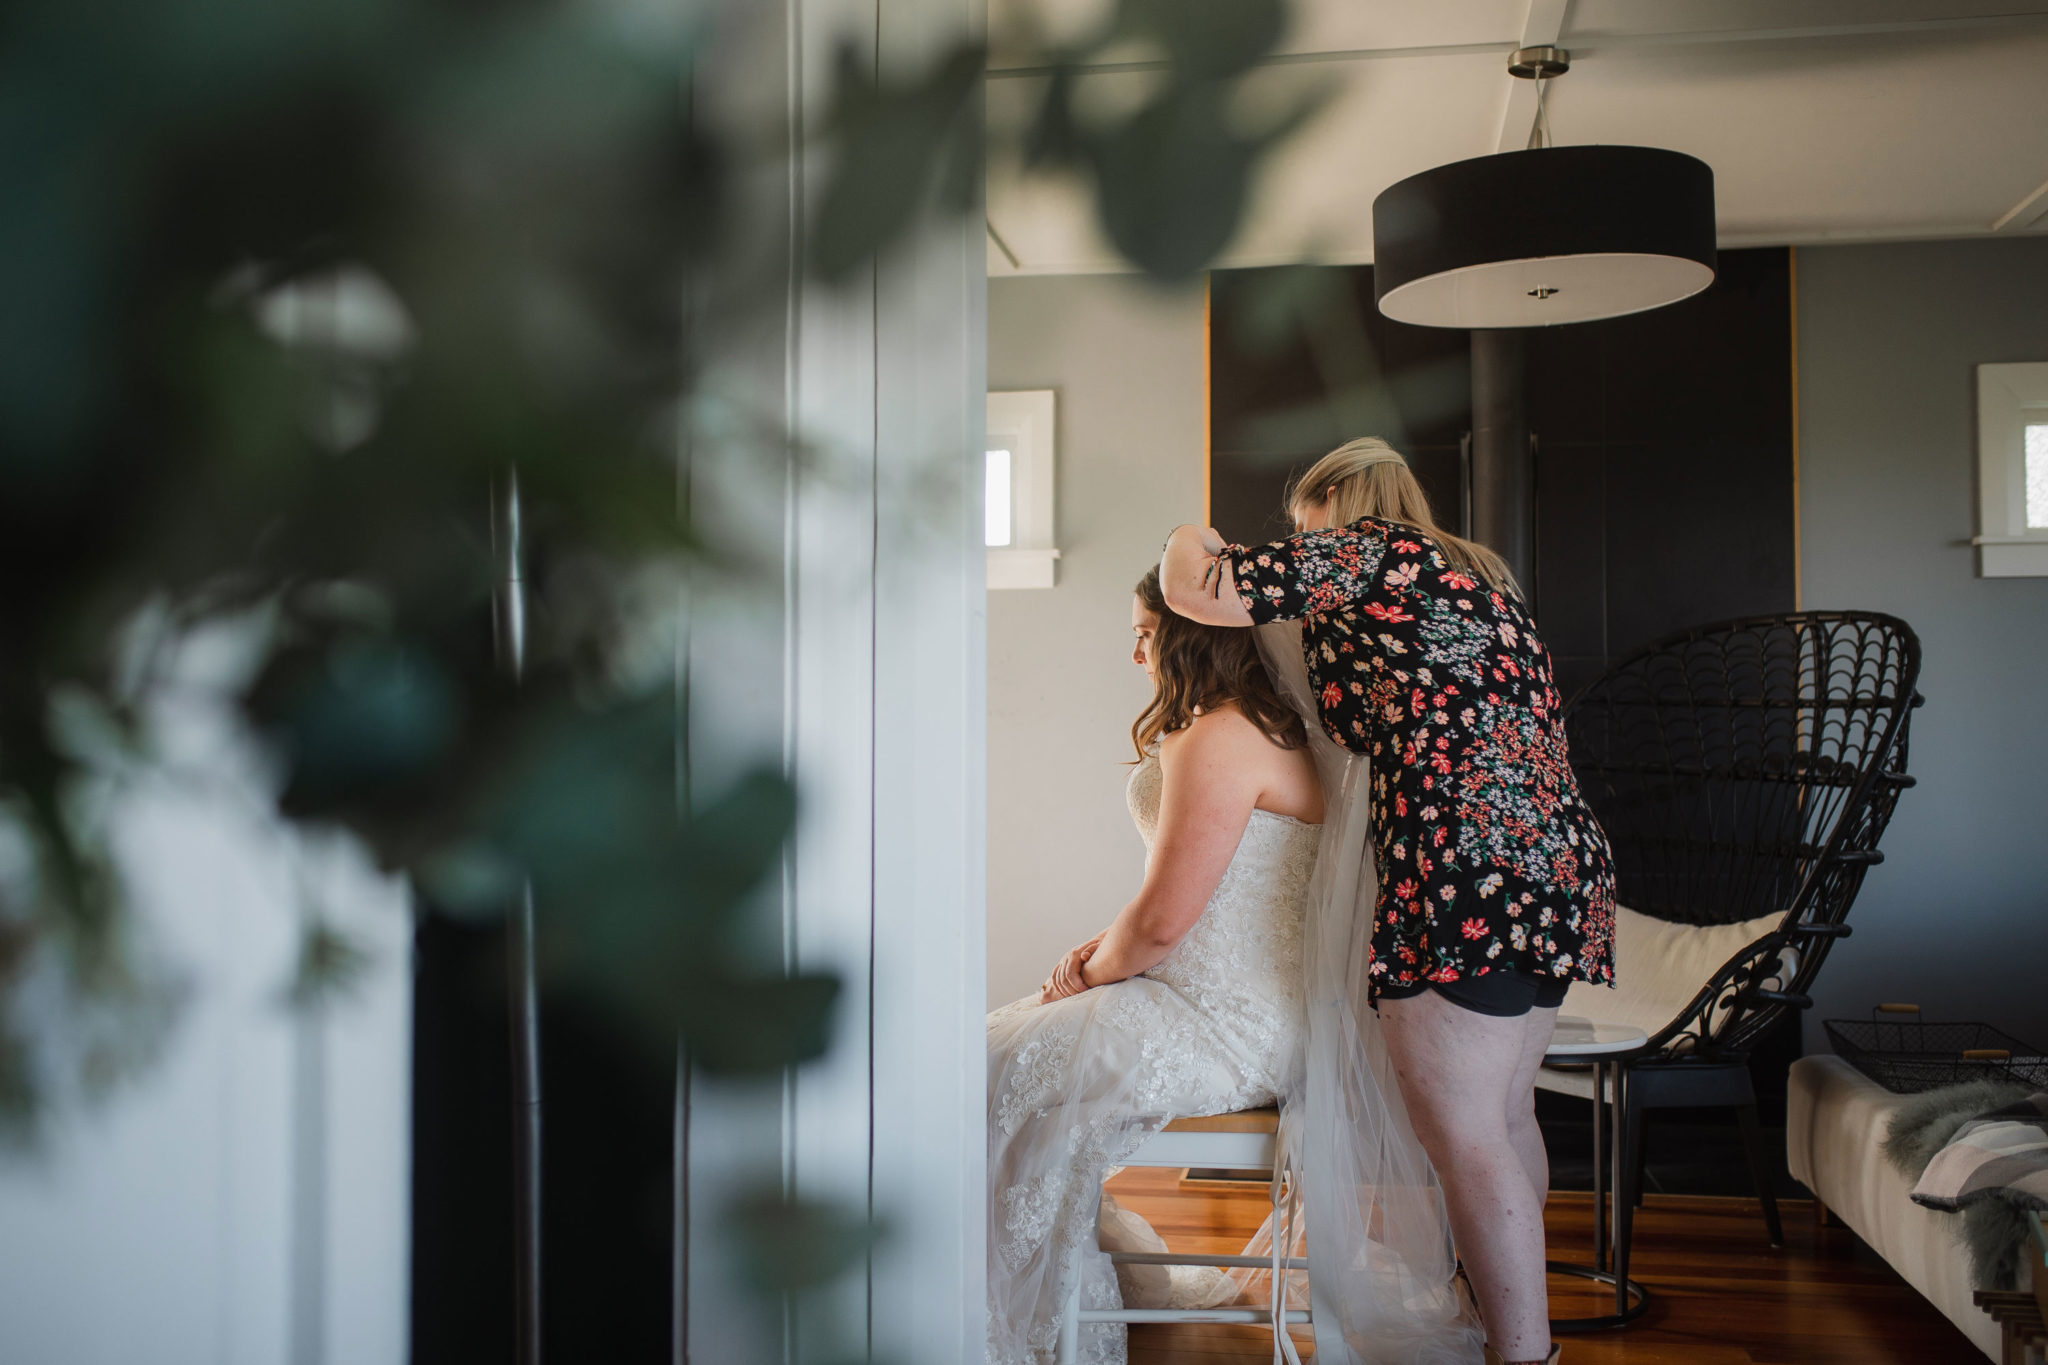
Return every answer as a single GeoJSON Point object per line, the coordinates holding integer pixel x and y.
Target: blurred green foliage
{"type": "Point", "coordinates": [287, 285]}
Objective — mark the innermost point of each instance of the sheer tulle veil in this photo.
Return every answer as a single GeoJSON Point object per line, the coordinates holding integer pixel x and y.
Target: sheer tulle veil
{"type": "Point", "coordinates": [1377, 1236]}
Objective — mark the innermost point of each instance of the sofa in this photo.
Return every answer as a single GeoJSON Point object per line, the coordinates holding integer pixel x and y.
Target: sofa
{"type": "Point", "coordinates": [1835, 1125]}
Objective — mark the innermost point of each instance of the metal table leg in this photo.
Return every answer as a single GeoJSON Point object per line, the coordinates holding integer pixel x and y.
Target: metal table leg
{"type": "Point", "coordinates": [1631, 1300]}
{"type": "Point", "coordinates": [1599, 1166]}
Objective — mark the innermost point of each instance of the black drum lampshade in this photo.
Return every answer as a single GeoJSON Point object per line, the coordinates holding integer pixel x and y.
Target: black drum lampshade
{"type": "Point", "coordinates": [1546, 236]}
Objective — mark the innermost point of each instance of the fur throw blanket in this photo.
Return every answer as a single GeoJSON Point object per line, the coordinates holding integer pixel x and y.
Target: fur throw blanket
{"type": "Point", "coordinates": [1993, 1227]}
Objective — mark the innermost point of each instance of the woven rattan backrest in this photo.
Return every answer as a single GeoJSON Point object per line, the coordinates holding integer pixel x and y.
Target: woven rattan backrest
{"type": "Point", "coordinates": [1748, 768]}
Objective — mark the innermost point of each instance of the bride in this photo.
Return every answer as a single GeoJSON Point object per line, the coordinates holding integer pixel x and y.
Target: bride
{"type": "Point", "coordinates": [1238, 975]}
{"type": "Point", "coordinates": [1190, 1002]}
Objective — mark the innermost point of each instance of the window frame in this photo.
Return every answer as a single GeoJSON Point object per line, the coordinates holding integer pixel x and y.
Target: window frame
{"type": "Point", "coordinates": [1024, 422]}
{"type": "Point", "coordinates": [2010, 398]}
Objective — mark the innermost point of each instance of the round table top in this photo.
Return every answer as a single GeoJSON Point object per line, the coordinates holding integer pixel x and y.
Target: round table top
{"type": "Point", "coordinates": [1576, 1037]}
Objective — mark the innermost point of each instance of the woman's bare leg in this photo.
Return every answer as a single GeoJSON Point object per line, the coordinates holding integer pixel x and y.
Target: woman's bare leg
{"type": "Point", "coordinates": [1467, 1078]}
{"type": "Point", "coordinates": [1522, 1129]}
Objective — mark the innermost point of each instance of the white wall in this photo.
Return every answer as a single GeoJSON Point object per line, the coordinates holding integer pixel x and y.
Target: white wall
{"type": "Point", "coordinates": [1126, 362]}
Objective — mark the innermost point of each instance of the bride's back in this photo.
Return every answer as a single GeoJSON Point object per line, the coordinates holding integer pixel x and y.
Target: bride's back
{"type": "Point", "coordinates": [1240, 965]}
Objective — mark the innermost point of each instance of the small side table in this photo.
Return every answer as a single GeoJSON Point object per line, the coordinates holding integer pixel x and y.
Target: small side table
{"type": "Point", "coordinates": [1602, 1045]}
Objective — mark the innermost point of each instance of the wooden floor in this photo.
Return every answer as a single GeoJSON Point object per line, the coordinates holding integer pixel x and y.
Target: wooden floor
{"type": "Point", "coordinates": [1722, 1296]}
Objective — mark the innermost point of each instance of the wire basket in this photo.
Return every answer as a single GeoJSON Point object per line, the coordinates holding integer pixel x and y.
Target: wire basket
{"type": "Point", "coordinates": [1906, 1054]}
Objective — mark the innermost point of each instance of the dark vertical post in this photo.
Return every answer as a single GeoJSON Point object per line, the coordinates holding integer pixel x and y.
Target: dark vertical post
{"type": "Point", "coordinates": [1503, 475]}
{"type": "Point", "coordinates": [509, 621]}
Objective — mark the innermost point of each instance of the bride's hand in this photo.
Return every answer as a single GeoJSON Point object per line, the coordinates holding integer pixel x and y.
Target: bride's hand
{"type": "Point", "coordinates": [1066, 976]}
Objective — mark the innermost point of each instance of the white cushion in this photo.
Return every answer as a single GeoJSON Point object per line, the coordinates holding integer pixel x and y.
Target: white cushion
{"type": "Point", "coordinates": [1658, 968]}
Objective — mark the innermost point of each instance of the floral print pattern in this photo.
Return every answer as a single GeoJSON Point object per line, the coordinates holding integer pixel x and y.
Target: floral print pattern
{"type": "Point", "coordinates": [1488, 857]}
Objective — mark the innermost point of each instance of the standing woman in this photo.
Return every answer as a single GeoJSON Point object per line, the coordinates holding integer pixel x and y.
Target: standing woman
{"type": "Point", "coordinates": [1496, 886]}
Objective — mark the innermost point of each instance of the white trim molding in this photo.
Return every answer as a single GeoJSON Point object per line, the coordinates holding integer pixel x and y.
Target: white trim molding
{"type": "Point", "coordinates": [859, 661]}
{"type": "Point", "coordinates": [2010, 399]}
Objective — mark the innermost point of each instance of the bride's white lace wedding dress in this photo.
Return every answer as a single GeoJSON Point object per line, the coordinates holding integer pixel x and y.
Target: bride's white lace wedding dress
{"type": "Point", "coordinates": [1076, 1085]}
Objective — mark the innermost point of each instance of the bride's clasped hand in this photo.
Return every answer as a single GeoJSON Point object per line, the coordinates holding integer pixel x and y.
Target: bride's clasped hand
{"type": "Point", "coordinates": [1067, 974]}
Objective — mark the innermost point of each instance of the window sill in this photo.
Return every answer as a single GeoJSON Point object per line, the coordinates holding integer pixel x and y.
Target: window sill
{"type": "Point", "coordinates": [1021, 568]}
{"type": "Point", "coordinates": [2011, 556]}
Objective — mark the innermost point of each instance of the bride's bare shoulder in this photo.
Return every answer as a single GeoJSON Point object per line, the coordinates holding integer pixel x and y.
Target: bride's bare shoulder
{"type": "Point", "coordinates": [1215, 734]}
{"type": "Point", "coordinates": [1224, 751]}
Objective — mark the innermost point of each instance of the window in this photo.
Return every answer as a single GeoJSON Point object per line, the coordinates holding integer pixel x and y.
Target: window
{"type": "Point", "coordinates": [2037, 476]}
{"type": "Point", "coordinates": [997, 521]}
{"type": "Point", "coordinates": [1018, 492]}
{"type": "Point", "coordinates": [2012, 471]}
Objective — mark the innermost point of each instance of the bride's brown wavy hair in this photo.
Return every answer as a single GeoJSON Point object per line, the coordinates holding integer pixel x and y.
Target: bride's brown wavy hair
{"type": "Point", "coordinates": [1199, 668]}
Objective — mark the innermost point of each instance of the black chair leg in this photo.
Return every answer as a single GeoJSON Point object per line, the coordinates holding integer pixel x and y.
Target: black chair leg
{"type": "Point", "coordinates": [1760, 1170]}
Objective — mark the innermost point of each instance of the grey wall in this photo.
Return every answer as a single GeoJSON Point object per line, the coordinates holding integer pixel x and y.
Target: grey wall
{"type": "Point", "coordinates": [1126, 362]}
{"type": "Point", "coordinates": [1889, 337]}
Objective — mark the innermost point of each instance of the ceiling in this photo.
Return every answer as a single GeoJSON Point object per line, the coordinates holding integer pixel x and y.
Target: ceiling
{"type": "Point", "coordinates": [1824, 120]}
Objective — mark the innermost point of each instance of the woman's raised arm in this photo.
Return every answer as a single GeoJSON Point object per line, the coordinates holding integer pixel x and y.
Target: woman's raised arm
{"type": "Point", "coordinates": [1308, 572]}
{"type": "Point", "coordinates": [1196, 580]}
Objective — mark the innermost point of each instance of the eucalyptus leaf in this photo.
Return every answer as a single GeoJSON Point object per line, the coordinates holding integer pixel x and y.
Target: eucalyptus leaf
{"type": "Point", "coordinates": [331, 966]}
{"type": "Point", "coordinates": [787, 1245]}
{"type": "Point", "coordinates": [1208, 37]}
{"type": "Point", "coordinates": [1055, 137]}
{"type": "Point", "coordinates": [371, 714]}
{"type": "Point", "coordinates": [888, 139]}
{"type": "Point", "coordinates": [1172, 181]}
{"type": "Point", "coordinates": [757, 1025]}
{"type": "Point", "coordinates": [528, 194]}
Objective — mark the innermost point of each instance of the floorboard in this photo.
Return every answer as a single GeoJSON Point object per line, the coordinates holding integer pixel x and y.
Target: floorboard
{"type": "Point", "coordinates": [1722, 1295]}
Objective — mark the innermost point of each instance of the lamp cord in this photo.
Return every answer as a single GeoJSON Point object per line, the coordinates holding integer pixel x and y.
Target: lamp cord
{"type": "Point", "coordinates": [1539, 128]}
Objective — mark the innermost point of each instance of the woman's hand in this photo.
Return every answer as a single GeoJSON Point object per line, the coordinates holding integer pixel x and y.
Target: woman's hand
{"type": "Point", "coordinates": [1066, 976]}
{"type": "Point", "coordinates": [1197, 581]}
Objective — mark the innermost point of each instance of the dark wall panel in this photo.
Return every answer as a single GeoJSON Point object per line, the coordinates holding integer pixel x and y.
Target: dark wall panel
{"type": "Point", "coordinates": [1572, 564]}
{"type": "Point", "coordinates": [1663, 442]}
{"type": "Point", "coordinates": [606, 1177]}
{"type": "Point", "coordinates": [1283, 393]}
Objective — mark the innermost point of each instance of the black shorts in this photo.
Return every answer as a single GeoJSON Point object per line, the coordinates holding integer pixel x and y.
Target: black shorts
{"type": "Point", "coordinates": [1502, 994]}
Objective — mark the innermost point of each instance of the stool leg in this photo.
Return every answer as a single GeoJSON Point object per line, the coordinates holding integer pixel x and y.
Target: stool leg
{"type": "Point", "coordinates": [1283, 1239]}
{"type": "Point", "coordinates": [1070, 1326]}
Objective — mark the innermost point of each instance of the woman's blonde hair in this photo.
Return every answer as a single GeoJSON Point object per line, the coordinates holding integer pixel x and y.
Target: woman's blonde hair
{"type": "Point", "coordinates": [1369, 478]}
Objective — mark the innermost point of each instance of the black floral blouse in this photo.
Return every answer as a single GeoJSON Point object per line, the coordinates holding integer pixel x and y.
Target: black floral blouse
{"type": "Point", "coordinates": [1488, 857]}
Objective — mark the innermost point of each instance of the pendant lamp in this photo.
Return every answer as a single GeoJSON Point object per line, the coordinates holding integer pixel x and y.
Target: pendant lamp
{"type": "Point", "coordinates": [1544, 236]}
